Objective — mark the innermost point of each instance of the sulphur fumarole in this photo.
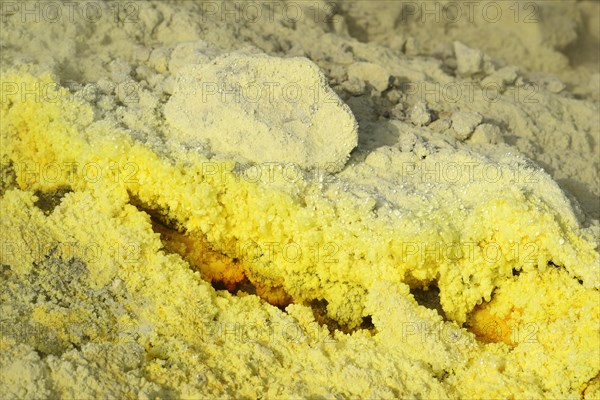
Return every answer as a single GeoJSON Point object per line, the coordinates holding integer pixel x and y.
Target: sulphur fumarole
{"type": "Point", "coordinates": [417, 253]}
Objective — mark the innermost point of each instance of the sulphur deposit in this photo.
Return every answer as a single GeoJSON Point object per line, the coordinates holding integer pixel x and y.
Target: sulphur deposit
{"type": "Point", "coordinates": [299, 200]}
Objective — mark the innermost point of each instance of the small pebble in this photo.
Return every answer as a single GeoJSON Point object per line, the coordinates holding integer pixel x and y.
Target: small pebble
{"type": "Point", "coordinates": [468, 60]}
{"type": "Point", "coordinates": [420, 115]}
{"type": "Point", "coordinates": [373, 74]}
{"type": "Point", "coordinates": [464, 123]}
{"type": "Point", "coordinates": [441, 125]}
{"type": "Point", "coordinates": [486, 133]}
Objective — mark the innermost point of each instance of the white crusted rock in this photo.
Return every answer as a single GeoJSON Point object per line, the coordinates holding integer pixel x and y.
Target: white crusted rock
{"type": "Point", "coordinates": [263, 109]}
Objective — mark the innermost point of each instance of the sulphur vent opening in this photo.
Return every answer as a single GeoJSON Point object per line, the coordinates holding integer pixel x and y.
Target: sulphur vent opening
{"type": "Point", "coordinates": [225, 272]}
{"type": "Point", "coordinates": [429, 297]}
{"type": "Point", "coordinates": [222, 271]}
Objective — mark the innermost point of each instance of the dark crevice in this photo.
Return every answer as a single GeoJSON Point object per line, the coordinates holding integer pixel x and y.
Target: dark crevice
{"type": "Point", "coordinates": [157, 216]}
{"type": "Point", "coordinates": [199, 253]}
{"type": "Point", "coordinates": [245, 286]}
{"type": "Point", "coordinates": [319, 308]}
{"type": "Point", "coordinates": [48, 201]}
{"type": "Point", "coordinates": [367, 323]}
{"type": "Point", "coordinates": [429, 297]}
{"type": "Point", "coordinates": [216, 267]}
{"type": "Point", "coordinates": [218, 285]}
